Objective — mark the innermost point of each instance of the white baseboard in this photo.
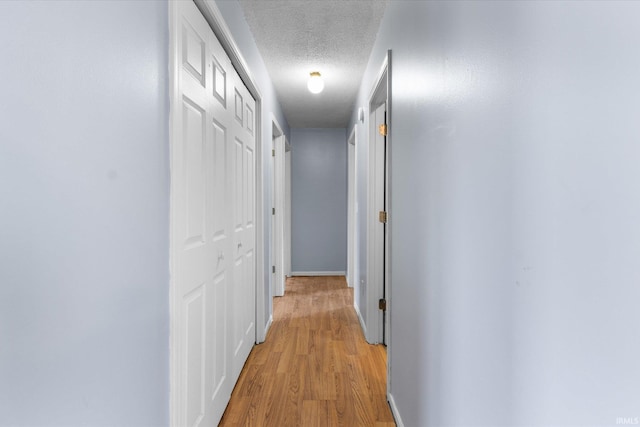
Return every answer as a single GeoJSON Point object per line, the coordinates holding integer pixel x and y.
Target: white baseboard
{"type": "Point", "coordinates": [394, 411]}
{"type": "Point", "coordinates": [318, 273]}
{"type": "Point", "coordinates": [362, 325]}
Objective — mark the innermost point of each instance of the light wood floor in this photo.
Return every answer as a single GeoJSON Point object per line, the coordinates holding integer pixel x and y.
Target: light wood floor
{"type": "Point", "coordinates": [315, 368]}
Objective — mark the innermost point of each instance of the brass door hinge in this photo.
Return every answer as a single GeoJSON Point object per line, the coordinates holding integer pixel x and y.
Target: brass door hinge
{"type": "Point", "coordinates": [273, 268]}
{"type": "Point", "coordinates": [273, 211]}
{"type": "Point", "coordinates": [273, 152]}
{"type": "Point", "coordinates": [382, 304]}
{"type": "Point", "coordinates": [382, 129]}
{"type": "Point", "coordinates": [382, 217]}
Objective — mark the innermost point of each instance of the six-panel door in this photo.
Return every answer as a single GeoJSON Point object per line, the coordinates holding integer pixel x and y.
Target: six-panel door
{"type": "Point", "coordinates": [213, 223]}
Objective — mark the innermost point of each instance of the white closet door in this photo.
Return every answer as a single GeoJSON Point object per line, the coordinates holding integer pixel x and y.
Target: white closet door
{"type": "Point", "coordinates": [244, 215]}
{"type": "Point", "coordinates": [212, 220]}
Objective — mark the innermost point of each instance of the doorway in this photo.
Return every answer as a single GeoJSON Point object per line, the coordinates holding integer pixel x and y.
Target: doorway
{"type": "Point", "coordinates": [352, 210]}
{"type": "Point", "coordinates": [278, 211]}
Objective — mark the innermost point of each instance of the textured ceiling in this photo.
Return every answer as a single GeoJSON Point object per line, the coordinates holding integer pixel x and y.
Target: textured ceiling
{"type": "Point", "coordinates": [296, 37]}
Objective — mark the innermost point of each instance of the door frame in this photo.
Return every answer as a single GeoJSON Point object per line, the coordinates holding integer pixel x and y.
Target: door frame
{"type": "Point", "coordinates": [352, 197]}
{"type": "Point", "coordinates": [379, 284]}
{"type": "Point", "coordinates": [278, 196]}
{"type": "Point", "coordinates": [287, 209]}
{"type": "Point", "coordinates": [222, 32]}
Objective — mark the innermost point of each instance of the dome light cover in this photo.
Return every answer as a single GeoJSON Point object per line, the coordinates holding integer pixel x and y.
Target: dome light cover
{"type": "Point", "coordinates": [315, 83]}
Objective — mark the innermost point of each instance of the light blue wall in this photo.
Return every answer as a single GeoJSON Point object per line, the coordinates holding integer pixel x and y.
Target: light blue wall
{"type": "Point", "coordinates": [515, 183]}
{"type": "Point", "coordinates": [318, 200]}
{"type": "Point", "coordinates": [234, 18]}
{"type": "Point", "coordinates": [84, 214]}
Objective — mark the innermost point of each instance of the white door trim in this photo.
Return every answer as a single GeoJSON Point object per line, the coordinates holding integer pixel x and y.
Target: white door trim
{"type": "Point", "coordinates": [389, 289]}
{"type": "Point", "coordinates": [287, 210]}
{"type": "Point", "coordinates": [213, 16]}
{"type": "Point", "coordinates": [352, 197]}
{"type": "Point", "coordinates": [278, 189]}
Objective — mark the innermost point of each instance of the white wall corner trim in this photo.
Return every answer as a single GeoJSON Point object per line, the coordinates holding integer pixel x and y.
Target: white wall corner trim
{"type": "Point", "coordinates": [394, 411]}
{"type": "Point", "coordinates": [318, 273]}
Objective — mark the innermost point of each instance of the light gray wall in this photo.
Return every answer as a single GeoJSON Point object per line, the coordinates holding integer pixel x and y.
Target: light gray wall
{"type": "Point", "coordinates": [515, 182]}
{"type": "Point", "coordinates": [84, 216]}
{"type": "Point", "coordinates": [318, 200]}
{"type": "Point", "coordinates": [234, 18]}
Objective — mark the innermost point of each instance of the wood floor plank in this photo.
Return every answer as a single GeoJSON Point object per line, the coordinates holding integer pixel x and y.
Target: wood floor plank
{"type": "Point", "coordinates": [315, 367]}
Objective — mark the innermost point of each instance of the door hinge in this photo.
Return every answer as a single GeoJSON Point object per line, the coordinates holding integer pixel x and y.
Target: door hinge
{"type": "Point", "coordinates": [273, 269]}
{"type": "Point", "coordinates": [382, 304]}
{"type": "Point", "coordinates": [382, 217]}
{"type": "Point", "coordinates": [273, 211]}
{"type": "Point", "coordinates": [382, 129]}
{"type": "Point", "coordinates": [273, 152]}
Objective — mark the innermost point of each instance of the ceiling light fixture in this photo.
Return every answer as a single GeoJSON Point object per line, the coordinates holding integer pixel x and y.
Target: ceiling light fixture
{"type": "Point", "coordinates": [315, 83]}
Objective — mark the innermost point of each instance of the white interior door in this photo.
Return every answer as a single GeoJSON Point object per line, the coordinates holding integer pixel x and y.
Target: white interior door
{"type": "Point", "coordinates": [377, 229]}
{"type": "Point", "coordinates": [212, 222]}
{"type": "Point", "coordinates": [243, 196]}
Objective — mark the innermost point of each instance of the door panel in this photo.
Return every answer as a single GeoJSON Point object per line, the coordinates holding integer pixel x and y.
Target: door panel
{"type": "Point", "coordinates": [250, 120]}
{"type": "Point", "coordinates": [194, 119]}
{"type": "Point", "coordinates": [193, 52]}
{"type": "Point", "coordinates": [237, 165]}
{"type": "Point", "coordinates": [219, 366]}
{"type": "Point", "coordinates": [239, 108]}
{"type": "Point", "coordinates": [249, 189]}
{"type": "Point", "coordinates": [195, 331]}
{"type": "Point", "coordinates": [218, 181]}
{"type": "Point", "coordinates": [219, 82]}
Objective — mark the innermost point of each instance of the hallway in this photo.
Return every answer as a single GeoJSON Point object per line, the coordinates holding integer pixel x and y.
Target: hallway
{"type": "Point", "coordinates": [315, 368]}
